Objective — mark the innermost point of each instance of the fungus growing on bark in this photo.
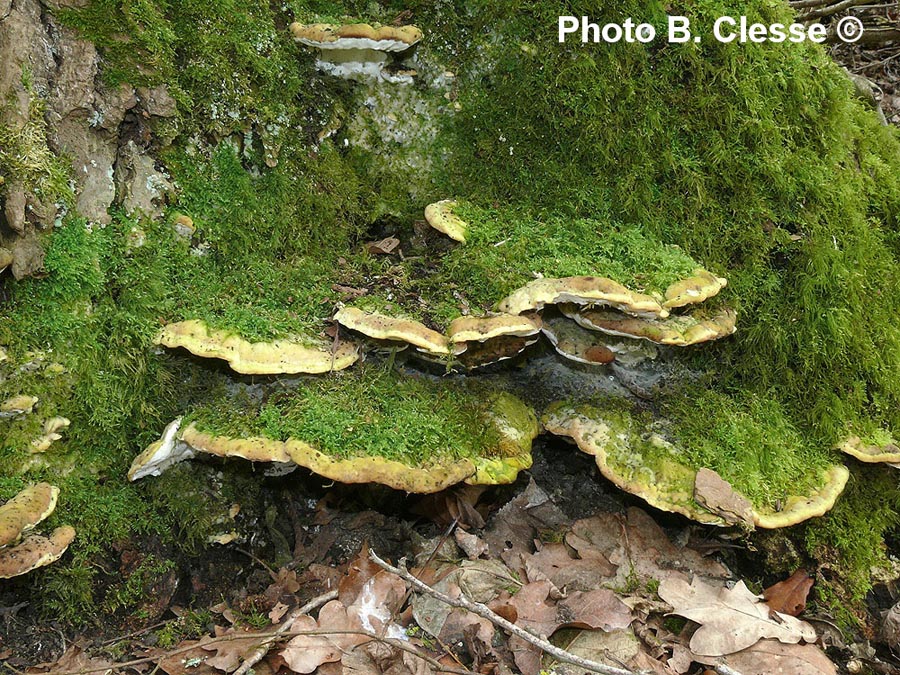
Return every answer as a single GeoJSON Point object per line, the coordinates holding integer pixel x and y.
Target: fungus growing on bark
{"type": "Point", "coordinates": [797, 508]}
{"type": "Point", "coordinates": [701, 286]}
{"type": "Point", "coordinates": [18, 405]}
{"type": "Point", "coordinates": [624, 456]}
{"type": "Point", "coordinates": [584, 346]}
{"type": "Point", "coordinates": [35, 551]}
{"type": "Point", "coordinates": [871, 453]}
{"type": "Point", "coordinates": [581, 291]}
{"type": "Point", "coordinates": [25, 510]}
{"type": "Point", "coordinates": [383, 327]}
{"type": "Point", "coordinates": [52, 429]}
{"type": "Point", "coordinates": [645, 464]}
{"type": "Point", "coordinates": [677, 330]}
{"type": "Point", "coordinates": [495, 350]}
{"type": "Point", "coordinates": [481, 341]}
{"type": "Point", "coordinates": [161, 454]}
{"type": "Point", "coordinates": [508, 425]}
{"type": "Point", "coordinates": [359, 51]}
{"type": "Point", "coordinates": [20, 515]}
{"type": "Point", "coordinates": [441, 217]}
{"type": "Point", "coordinates": [483, 328]}
{"type": "Point", "coordinates": [257, 358]}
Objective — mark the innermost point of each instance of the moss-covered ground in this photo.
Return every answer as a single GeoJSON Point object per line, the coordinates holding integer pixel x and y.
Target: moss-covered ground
{"type": "Point", "coordinates": [370, 411]}
{"type": "Point", "coordinates": [754, 160]}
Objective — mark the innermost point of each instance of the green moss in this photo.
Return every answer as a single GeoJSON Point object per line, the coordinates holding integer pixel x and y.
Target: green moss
{"type": "Point", "coordinates": [132, 591]}
{"type": "Point", "coordinates": [749, 440]}
{"type": "Point", "coordinates": [373, 411]}
{"type": "Point", "coordinates": [26, 159]}
{"type": "Point", "coordinates": [850, 538]}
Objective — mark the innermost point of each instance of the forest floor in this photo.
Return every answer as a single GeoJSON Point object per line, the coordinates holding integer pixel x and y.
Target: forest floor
{"type": "Point", "coordinates": [561, 554]}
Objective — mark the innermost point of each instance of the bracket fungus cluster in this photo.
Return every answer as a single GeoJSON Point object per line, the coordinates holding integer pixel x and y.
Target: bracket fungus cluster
{"type": "Point", "coordinates": [22, 404]}
{"type": "Point", "coordinates": [478, 439]}
{"type": "Point", "coordinates": [257, 358]}
{"type": "Point", "coordinates": [872, 452]}
{"type": "Point", "coordinates": [642, 461]}
{"type": "Point", "coordinates": [442, 218]}
{"type": "Point", "coordinates": [361, 51]}
{"type": "Point", "coordinates": [21, 552]}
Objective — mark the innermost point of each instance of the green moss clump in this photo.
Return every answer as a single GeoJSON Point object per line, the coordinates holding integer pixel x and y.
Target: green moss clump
{"type": "Point", "coordinates": [26, 159]}
{"type": "Point", "coordinates": [749, 440]}
{"type": "Point", "coordinates": [377, 412]}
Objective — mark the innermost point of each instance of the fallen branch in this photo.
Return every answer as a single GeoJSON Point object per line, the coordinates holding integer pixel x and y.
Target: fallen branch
{"type": "Point", "coordinates": [485, 613]}
{"type": "Point", "coordinates": [260, 652]}
{"type": "Point", "coordinates": [829, 10]}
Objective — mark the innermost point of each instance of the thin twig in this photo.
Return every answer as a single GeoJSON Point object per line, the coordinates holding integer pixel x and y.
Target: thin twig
{"type": "Point", "coordinates": [252, 557]}
{"type": "Point", "coordinates": [830, 9]}
{"type": "Point", "coordinates": [260, 652]}
{"type": "Point", "coordinates": [484, 612]}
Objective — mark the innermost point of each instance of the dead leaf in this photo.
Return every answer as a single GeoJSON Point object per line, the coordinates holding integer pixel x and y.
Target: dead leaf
{"type": "Point", "coordinates": [681, 659]}
{"type": "Point", "coordinates": [190, 662]}
{"type": "Point", "coordinates": [470, 544]}
{"type": "Point", "coordinates": [349, 292]}
{"type": "Point", "coordinates": [731, 619]}
{"type": "Point", "coordinates": [478, 580]}
{"type": "Point", "coordinates": [75, 659]}
{"type": "Point", "coordinates": [565, 571]}
{"type": "Point", "coordinates": [305, 653]}
{"type": "Point", "coordinates": [360, 570]}
{"type": "Point", "coordinates": [514, 527]}
{"type": "Point", "coordinates": [278, 612]}
{"type": "Point", "coordinates": [717, 495]}
{"type": "Point", "coordinates": [231, 647]}
{"type": "Point", "coordinates": [770, 657]}
{"type": "Point", "coordinates": [457, 504]}
{"type": "Point", "coordinates": [537, 616]}
{"type": "Point", "coordinates": [638, 546]}
{"type": "Point", "coordinates": [385, 246]}
{"type": "Point", "coordinates": [789, 596]}
{"type": "Point", "coordinates": [599, 608]}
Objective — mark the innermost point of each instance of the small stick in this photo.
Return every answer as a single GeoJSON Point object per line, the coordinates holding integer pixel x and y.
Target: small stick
{"type": "Point", "coordinates": [260, 652]}
{"type": "Point", "coordinates": [485, 613]}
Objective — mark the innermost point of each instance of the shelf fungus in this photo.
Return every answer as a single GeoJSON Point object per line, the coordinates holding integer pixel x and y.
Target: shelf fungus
{"type": "Point", "coordinates": [588, 290]}
{"type": "Point", "coordinates": [20, 515]}
{"type": "Point", "coordinates": [441, 217]}
{"type": "Point", "coordinates": [383, 327]}
{"type": "Point", "coordinates": [257, 358]}
{"type": "Point", "coordinates": [680, 330]}
{"type": "Point", "coordinates": [646, 464]}
{"type": "Point", "coordinates": [507, 423]}
{"type": "Point", "coordinates": [161, 454]}
{"type": "Point", "coordinates": [52, 432]}
{"type": "Point", "coordinates": [18, 405]}
{"type": "Point", "coordinates": [886, 452]}
{"type": "Point", "coordinates": [482, 341]}
{"type": "Point", "coordinates": [589, 347]}
{"type": "Point", "coordinates": [698, 287]}
{"type": "Point", "coordinates": [361, 51]}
